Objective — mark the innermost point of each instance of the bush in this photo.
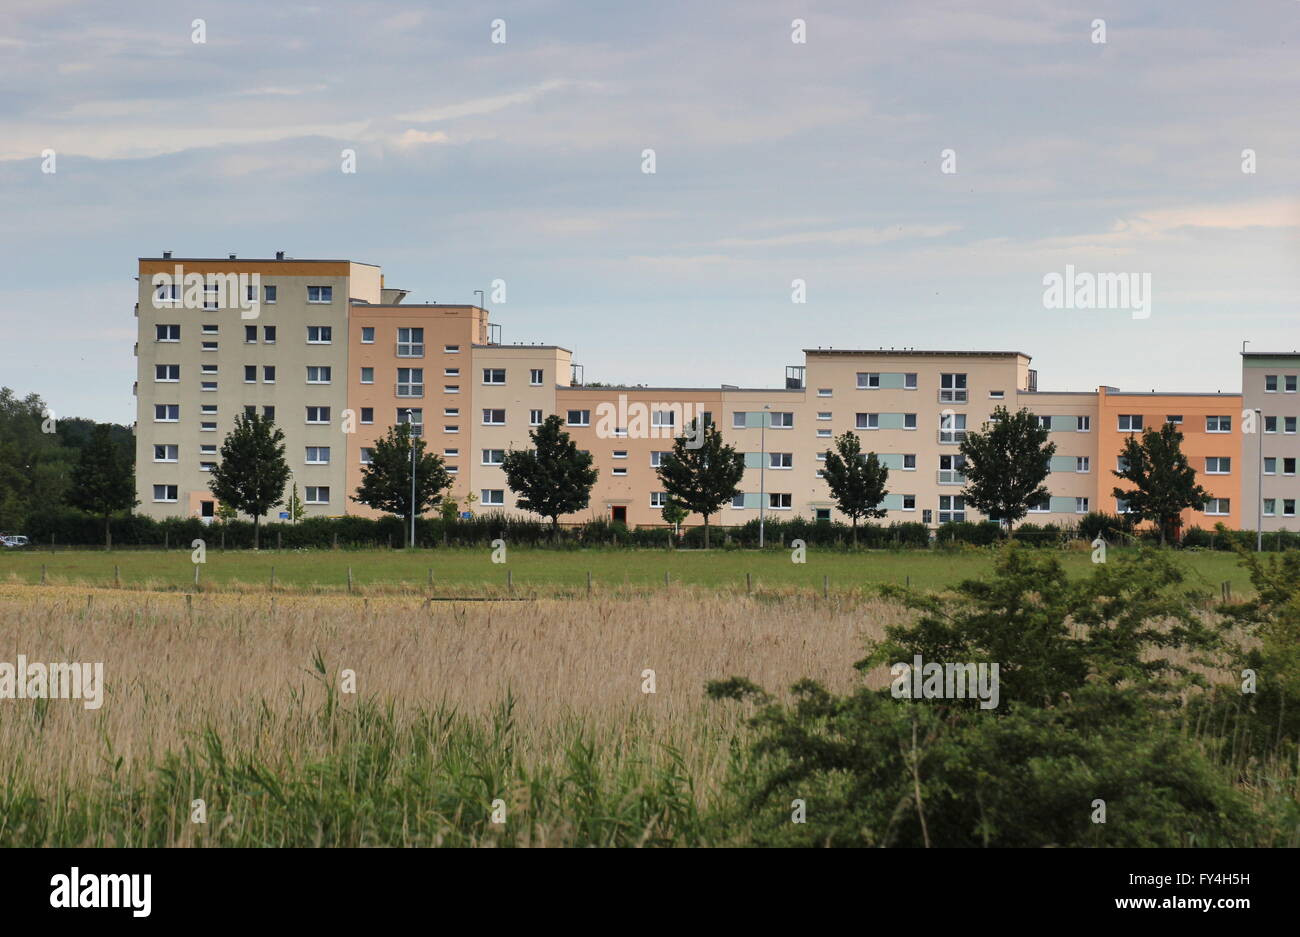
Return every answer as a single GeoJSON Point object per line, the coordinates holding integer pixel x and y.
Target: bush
{"type": "Point", "coordinates": [981, 534]}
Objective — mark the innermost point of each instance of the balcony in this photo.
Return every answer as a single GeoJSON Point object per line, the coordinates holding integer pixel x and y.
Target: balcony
{"type": "Point", "coordinates": [952, 395]}
{"type": "Point", "coordinates": [951, 477]}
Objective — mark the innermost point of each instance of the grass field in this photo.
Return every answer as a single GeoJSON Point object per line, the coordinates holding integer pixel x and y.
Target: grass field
{"type": "Point", "coordinates": [549, 572]}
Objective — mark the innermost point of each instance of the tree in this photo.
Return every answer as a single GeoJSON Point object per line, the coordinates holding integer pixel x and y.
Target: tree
{"type": "Point", "coordinates": [296, 509]}
{"type": "Point", "coordinates": [1006, 465]}
{"type": "Point", "coordinates": [857, 482]}
{"type": "Point", "coordinates": [252, 472]}
{"type": "Point", "coordinates": [386, 481]}
{"type": "Point", "coordinates": [673, 514]}
{"type": "Point", "coordinates": [552, 478]}
{"type": "Point", "coordinates": [1165, 482]}
{"type": "Point", "coordinates": [102, 479]}
{"type": "Point", "coordinates": [702, 479]}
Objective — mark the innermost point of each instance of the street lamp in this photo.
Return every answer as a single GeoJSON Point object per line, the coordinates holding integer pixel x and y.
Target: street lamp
{"type": "Point", "coordinates": [410, 423]}
{"type": "Point", "coordinates": [479, 294]}
{"type": "Point", "coordinates": [1259, 484]}
{"type": "Point", "coordinates": [762, 469]}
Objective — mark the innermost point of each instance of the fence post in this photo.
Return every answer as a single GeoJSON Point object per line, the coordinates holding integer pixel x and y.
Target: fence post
{"type": "Point", "coordinates": [223, 538]}
{"type": "Point", "coordinates": [665, 579]}
{"type": "Point", "coordinates": [42, 574]}
{"type": "Point", "coordinates": [510, 579]}
{"type": "Point", "coordinates": [272, 577]}
{"type": "Point", "coordinates": [749, 582]}
{"type": "Point", "coordinates": [430, 577]}
{"type": "Point", "coordinates": [277, 541]}
{"type": "Point", "coordinates": [349, 578]}
{"type": "Point", "coordinates": [167, 539]}
{"type": "Point", "coordinates": [189, 604]}
{"type": "Point", "coordinates": [117, 576]}
{"type": "Point", "coordinates": [589, 582]}
{"type": "Point", "coordinates": [196, 575]}
{"type": "Point", "coordinates": [826, 587]}
{"type": "Point", "coordinates": [336, 540]}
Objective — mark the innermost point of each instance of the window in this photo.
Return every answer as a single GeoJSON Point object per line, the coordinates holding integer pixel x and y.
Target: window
{"type": "Point", "coordinates": [166, 453]}
{"type": "Point", "coordinates": [451, 428]}
{"type": "Point", "coordinates": [1217, 506]}
{"type": "Point", "coordinates": [318, 455]}
{"type": "Point", "coordinates": [167, 293]}
{"type": "Point", "coordinates": [1174, 418]}
{"type": "Point", "coordinates": [410, 343]}
{"type": "Point", "coordinates": [579, 418]}
{"type": "Point", "coordinates": [367, 375]}
{"type": "Point", "coordinates": [1218, 465]}
{"type": "Point", "coordinates": [738, 419]}
{"type": "Point", "coordinates": [662, 418]}
{"type": "Point", "coordinates": [168, 333]}
{"type": "Point", "coordinates": [1270, 466]}
{"type": "Point", "coordinates": [952, 427]}
{"type": "Point", "coordinates": [494, 417]}
{"type": "Point", "coordinates": [320, 294]}
{"type": "Point", "coordinates": [208, 346]}
{"type": "Point", "coordinates": [167, 373]}
{"type": "Point", "coordinates": [410, 382]}
{"type": "Point", "coordinates": [367, 334]}
{"type": "Point", "coordinates": [952, 388]}
{"type": "Point", "coordinates": [1041, 506]}
{"type": "Point", "coordinates": [909, 381]}
{"type": "Point", "coordinates": [1288, 466]}
{"type": "Point", "coordinates": [268, 374]}
{"type": "Point", "coordinates": [494, 375]}
{"type": "Point", "coordinates": [493, 496]}
{"type": "Point", "coordinates": [451, 349]}
{"type": "Point", "coordinates": [1218, 424]}
{"type": "Point", "coordinates": [823, 514]}
{"type": "Point", "coordinates": [951, 508]}
{"type": "Point", "coordinates": [823, 414]}
{"type": "Point", "coordinates": [318, 414]}
{"type": "Point", "coordinates": [211, 295]}
{"type": "Point", "coordinates": [1082, 424]}
{"type": "Point", "coordinates": [618, 470]}
{"type": "Point", "coordinates": [1270, 383]}
{"type": "Point", "coordinates": [1082, 463]}
{"type": "Point", "coordinates": [367, 455]}
{"type": "Point", "coordinates": [316, 374]}
{"type": "Point", "coordinates": [868, 380]}
{"type": "Point", "coordinates": [534, 417]}
{"type": "Point", "coordinates": [783, 420]}
{"type": "Point", "coordinates": [414, 416]}
{"type": "Point", "coordinates": [451, 411]}
{"type": "Point", "coordinates": [1080, 505]}
{"type": "Point", "coordinates": [1270, 424]}
{"type": "Point", "coordinates": [250, 335]}
{"type": "Point", "coordinates": [868, 421]}
{"type": "Point", "coordinates": [268, 334]}
{"type": "Point", "coordinates": [950, 469]}
{"type": "Point", "coordinates": [208, 368]}
{"type": "Point", "coordinates": [1270, 507]}
{"type": "Point", "coordinates": [909, 502]}
{"type": "Point", "coordinates": [909, 421]}
{"type": "Point", "coordinates": [250, 411]}
{"type": "Point", "coordinates": [824, 433]}
{"type": "Point", "coordinates": [207, 386]}
{"type": "Point", "coordinates": [207, 427]}
{"type": "Point", "coordinates": [210, 328]}
{"type": "Point", "coordinates": [451, 453]}
{"type": "Point", "coordinates": [451, 388]}
{"type": "Point", "coordinates": [1288, 425]}
{"type": "Point", "coordinates": [1290, 383]}
{"type": "Point", "coordinates": [909, 462]}
{"type": "Point", "coordinates": [823, 392]}
{"type": "Point", "coordinates": [1121, 464]}
{"type": "Point", "coordinates": [208, 449]}
{"type": "Point", "coordinates": [317, 494]}
{"type": "Point", "coordinates": [268, 295]}
{"type": "Point", "coordinates": [367, 414]}
{"type": "Point", "coordinates": [320, 334]}
{"type": "Point", "coordinates": [165, 492]}
{"type": "Point", "coordinates": [494, 456]}
{"type": "Point", "coordinates": [779, 502]}
{"type": "Point", "coordinates": [1130, 422]}
{"type": "Point", "coordinates": [535, 377]}
{"type": "Point", "coordinates": [1288, 507]}
{"type": "Point", "coordinates": [738, 501]}
{"type": "Point", "coordinates": [658, 499]}
{"type": "Point", "coordinates": [619, 454]}
{"type": "Point", "coordinates": [166, 412]}
{"type": "Point", "coordinates": [997, 394]}
{"type": "Point", "coordinates": [451, 372]}
{"type": "Point", "coordinates": [657, 458]}
{"type": "Point", "coordinates": [250, 374]}
{"type": "Point", "coordinates": [780, 460]}
{"type": "Point", "coordinates": [1121, 506]}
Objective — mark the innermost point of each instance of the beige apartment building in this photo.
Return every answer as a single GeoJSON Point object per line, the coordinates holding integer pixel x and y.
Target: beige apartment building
{"type": "Point", "coordinates": [338, 358]}
{"type": "Point", "coordinates": [1270, 387]}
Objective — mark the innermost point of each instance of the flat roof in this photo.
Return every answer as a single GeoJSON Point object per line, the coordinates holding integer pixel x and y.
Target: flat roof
{"type": "Point", "coordinates": [260, 260]}
{"type": "Point", "coordinates": [1269, 354]}
{"type": "Point", "coordinates": [522, 347]}
{"type": "Point", "coordinates": [682, 390]}
{"type": "Point", "coordinates": [904, 352]}
{"type": "Point", "coordinates": [361, 302]}
{"type": "Point", "coordinates": [1172, 393]}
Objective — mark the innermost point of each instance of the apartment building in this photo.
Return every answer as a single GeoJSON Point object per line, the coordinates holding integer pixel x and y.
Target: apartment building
{"type": "Point", "coordinates": [1270, 445]}
{"type": "Point", "coordinates": [337, 358]}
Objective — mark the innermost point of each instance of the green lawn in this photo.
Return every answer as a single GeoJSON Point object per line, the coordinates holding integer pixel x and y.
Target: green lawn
{"type": "Point", "coordinates": [471, 571]}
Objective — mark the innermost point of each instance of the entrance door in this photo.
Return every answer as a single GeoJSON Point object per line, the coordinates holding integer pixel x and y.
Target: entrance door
{"type": "Point", "coordinates": [619, 513]}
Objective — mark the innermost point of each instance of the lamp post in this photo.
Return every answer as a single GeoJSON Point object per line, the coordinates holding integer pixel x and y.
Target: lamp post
{"type": "Point", "coordinates": [410, 422]}
{"type": "Point", "coordinates": [481, 300]}
{"type": "Point", "coordinates": [762, 473]}
{"type": "Point", "coordinates": [1259, 483]}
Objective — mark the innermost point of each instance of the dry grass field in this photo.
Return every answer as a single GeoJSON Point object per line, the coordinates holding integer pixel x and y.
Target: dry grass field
{"type": "Point", "coordinates": [242, 693]}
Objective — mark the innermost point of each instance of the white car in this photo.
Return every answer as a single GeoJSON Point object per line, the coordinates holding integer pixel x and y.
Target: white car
{"type": "Point", "coordinates": [13, 540]}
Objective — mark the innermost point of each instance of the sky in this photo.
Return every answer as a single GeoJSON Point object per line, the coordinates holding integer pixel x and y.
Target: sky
{"type": "Point", "coordinates": [827, 161]}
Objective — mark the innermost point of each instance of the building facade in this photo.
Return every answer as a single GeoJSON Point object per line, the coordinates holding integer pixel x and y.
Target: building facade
{"type": "Point", "coordinates": [337, 358]}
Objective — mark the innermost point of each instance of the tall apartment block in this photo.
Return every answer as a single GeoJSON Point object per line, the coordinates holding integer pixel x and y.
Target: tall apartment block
{"type": "Point", "coordinates": [1269, 385]}
{"type": "Point", "coordinates": [337, 358]}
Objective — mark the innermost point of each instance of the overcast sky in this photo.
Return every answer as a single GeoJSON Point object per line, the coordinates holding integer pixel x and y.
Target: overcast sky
{"type": "Point", "coordinates": [775, 161]}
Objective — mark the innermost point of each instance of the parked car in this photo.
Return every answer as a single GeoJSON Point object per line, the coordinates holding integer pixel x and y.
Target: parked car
{"type": "Point", "coordinates": [13, 540]}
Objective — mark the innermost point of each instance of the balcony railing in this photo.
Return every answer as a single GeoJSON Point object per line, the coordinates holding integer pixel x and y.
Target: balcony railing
{"type": "Point", "coordinates": [951, 477]}
{"type": "Point", "coordinates": [952, 395]}
{"type": "Point", "coordinates": [952, 436]}
{"type": "Point", "coordinates": [410, 349]}
{"type": "Point", "coordinates": [409, 390]}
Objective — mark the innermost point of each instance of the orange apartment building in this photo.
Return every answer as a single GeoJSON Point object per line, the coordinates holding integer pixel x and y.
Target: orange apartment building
{"type": "Point", "coordinates": [337, 357]}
